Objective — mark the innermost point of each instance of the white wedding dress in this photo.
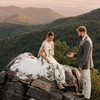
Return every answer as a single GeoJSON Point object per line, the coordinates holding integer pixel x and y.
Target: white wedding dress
{"type": "Point", "coordinates": [27, 66]}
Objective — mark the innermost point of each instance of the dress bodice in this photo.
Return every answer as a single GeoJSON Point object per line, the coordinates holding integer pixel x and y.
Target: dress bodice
{"type": "Point", "coordinates": [49, 49]}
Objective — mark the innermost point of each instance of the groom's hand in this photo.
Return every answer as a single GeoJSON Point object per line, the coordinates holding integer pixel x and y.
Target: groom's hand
{"type": "Point", "coordinates": [80, 69]}
{"type": "Point", "coordinates": [71, 55]}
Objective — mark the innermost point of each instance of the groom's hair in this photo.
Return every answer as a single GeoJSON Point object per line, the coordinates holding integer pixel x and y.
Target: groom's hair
{"type": "Point", "coordinates": [82, 29]}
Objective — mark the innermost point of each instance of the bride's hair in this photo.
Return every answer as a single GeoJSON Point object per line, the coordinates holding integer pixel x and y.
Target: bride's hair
{"type": "Point", "coordinates": [50, 33]}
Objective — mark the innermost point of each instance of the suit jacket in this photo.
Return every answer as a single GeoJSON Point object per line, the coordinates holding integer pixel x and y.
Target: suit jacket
{"type": "Point", "coordinates": [84, 55]}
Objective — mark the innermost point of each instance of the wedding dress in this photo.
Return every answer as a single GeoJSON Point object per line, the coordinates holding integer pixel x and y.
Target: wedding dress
{"type": "Point", "coordinates": [27, 66]}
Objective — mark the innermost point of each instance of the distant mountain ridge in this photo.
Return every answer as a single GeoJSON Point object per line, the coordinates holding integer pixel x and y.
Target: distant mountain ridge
{"type": "Point", "coordinates": [93, 15]}
{"type": "Point", "coordinates": [13, 29]}
{"type": "Point", "coordinates": [43, 15]}
{"type": "Point", "coordinates": [21, 19]}
{"type": "Point", "coordinates": [1, 21]}
{"type": "Point", "coordinates": [4, 14]}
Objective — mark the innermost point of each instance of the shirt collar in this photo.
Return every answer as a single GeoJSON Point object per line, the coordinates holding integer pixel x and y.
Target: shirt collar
{"type": "Point", "coordinates": [84, 38]}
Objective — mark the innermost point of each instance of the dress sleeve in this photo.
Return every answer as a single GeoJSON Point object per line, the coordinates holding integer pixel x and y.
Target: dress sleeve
{"type": "Point", "coordinates": [41, 47]}
{"type": "Point", "coordinates": [46, 53]}
{"type": "Point", "coordinates": [53, 47]}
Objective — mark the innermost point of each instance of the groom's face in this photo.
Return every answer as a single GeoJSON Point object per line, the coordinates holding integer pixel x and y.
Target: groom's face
{"type": "Point", "coordinates": [80, 34]}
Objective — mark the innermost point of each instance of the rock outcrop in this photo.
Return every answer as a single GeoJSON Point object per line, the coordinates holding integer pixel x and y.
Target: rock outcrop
{"type": "Point", "coordinates": [13, 88]}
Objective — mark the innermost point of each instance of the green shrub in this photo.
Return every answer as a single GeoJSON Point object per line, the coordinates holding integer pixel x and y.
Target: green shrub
{"type": "Point", "coordinates": [95, 83]}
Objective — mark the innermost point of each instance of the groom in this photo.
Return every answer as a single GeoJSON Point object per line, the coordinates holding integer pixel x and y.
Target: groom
{"type": "Point", "coordinates": [84, 60]}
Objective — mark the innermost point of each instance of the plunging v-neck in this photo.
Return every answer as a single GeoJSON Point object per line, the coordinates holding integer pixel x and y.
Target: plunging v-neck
{"type": "Point", "coordinates": [49, 44]}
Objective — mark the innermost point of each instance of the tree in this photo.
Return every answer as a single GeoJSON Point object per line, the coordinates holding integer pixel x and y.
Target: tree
{"type": "Point", "coordinates": [61, 51]}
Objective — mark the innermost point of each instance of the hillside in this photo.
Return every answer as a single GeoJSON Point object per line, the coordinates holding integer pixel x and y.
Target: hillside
{"type": "Point", "coordinates": [92, 15]}
{"type": "Point", "coordinates": [21, 19]}
{"type": "Point", "coordinates": [8, 29]}
{"type": "Point", "coordinates": [43, 15]}
{"type": "Point", "coordinates": [4, 14]}
{"type": "Point", "coordinates": [1, 21]}
{"type": "Point", "coordinates": [31, 41]}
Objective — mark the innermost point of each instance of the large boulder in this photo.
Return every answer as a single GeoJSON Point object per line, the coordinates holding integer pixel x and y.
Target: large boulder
{"type": "Point", "coordinates": [13, 88]}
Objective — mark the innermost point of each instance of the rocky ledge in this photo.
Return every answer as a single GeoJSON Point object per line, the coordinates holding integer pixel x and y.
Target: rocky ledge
{"type": "Point", "coordinates": [13, 88]}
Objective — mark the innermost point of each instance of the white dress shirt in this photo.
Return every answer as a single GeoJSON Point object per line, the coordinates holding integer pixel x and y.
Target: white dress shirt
{"type": "Point", "coordinates": [84, 38]}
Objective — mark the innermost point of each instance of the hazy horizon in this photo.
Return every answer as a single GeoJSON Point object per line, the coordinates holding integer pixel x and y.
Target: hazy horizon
{"type": "Point", "coordinates": [64, 7]}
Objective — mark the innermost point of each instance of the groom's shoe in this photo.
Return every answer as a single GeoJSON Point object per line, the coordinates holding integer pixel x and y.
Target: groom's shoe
{"type": "Point", "coordinates": [65, 85]}
{"type": "Point", "coordinates": [61, 87]}
{"type": "Point", "coordinates": [80, 95]}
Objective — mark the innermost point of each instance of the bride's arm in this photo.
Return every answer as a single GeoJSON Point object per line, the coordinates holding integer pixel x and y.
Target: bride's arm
{"type": "Point", "coordinates": [41, 54]}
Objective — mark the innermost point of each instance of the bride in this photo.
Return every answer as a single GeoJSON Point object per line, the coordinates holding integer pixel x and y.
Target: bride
{"type": "Point", "coordinates": [27, 66]}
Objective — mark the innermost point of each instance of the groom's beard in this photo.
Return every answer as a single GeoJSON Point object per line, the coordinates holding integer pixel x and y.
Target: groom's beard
{"type": "Point", "coordinates": [80, 36]}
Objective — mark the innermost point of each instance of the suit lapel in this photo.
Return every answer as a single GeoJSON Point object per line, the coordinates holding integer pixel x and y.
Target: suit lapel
{"type": "Point", "coordinates": [82, 42]}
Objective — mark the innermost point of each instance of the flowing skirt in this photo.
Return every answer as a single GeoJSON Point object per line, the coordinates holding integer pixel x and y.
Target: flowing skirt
{"type": "Point", "coordinates": [27, 66]}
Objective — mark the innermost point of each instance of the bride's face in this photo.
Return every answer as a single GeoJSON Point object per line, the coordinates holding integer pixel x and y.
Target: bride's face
{"type": "Point", "coordinates": [50, 38]}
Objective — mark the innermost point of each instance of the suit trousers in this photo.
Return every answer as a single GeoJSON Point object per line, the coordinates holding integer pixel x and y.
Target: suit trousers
{"type": "Point", "coordinates": [86, 83]}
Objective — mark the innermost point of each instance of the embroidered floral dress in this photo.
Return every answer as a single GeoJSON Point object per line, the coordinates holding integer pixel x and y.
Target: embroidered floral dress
{"type": "Point", "coordinates": [27, 66]}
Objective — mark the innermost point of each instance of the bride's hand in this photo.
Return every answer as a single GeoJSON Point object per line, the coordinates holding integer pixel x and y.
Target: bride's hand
{"type": "Point", "coordinates": [48, 61]}
{"type": "Point", "coordinates": [71, 55]}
